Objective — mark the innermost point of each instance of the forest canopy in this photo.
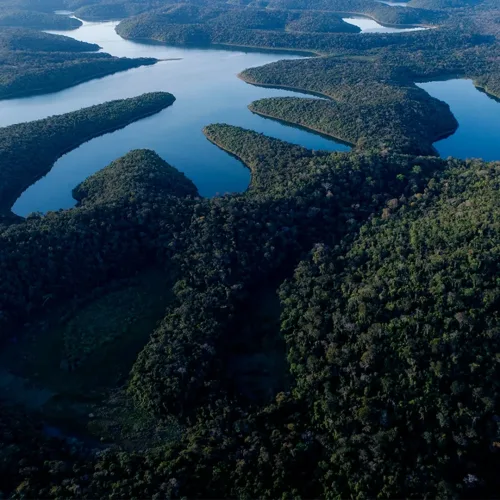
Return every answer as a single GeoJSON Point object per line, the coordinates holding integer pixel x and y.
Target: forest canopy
{"type": "Point", "coordinates": [331, 332]}
{"type": "Point", "coordinates": [22, 158]}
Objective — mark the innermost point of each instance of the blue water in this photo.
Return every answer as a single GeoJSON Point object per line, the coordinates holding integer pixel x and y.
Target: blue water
{"type": "Point", "coordinates": [478, 115]}
{"type": "Point", "coordinates": [368, 25]}
{"type": "Point", "coordinates": [393, 4]}
{"type": "Point", "coordinates": [207, 91]}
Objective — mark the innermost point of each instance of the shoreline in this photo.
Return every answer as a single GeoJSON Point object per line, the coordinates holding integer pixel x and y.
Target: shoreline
{"type": "Point", "coordinates": [339, 140]}
{"type": "Point", "coordinates": [67, 150]}
{"type": "Point", "coordinates": [40, 91]}
{"type": "Point", "coordinates": [224, 46]}
{"type": "Point", "coordinates": [284, 87]}
{"type": "Point", "coordinates": [229, 152]}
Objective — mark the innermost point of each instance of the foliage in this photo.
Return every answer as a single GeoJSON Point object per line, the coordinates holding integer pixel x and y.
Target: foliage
{"type": "Point", "coordinates": [28, 150]}
{"type": "Point", "coordinates": [386, 265]}
{"type": "Point", "coordinates": [64, 254]}
{"type": "Point", "coordinates": [393, 338]}
{"type": "Point", "coordinates": [34, 63]}
{"type": "Point", "coordinates": [390, 327]}
{"type": "Point", "coordinates": [18, 39]}
{"type": "Point", "coordinates": [38, 20]}
{"type": "Point", "coordinates": [374, 100]}
{"type": "Point", "coordinates": [393, 126]}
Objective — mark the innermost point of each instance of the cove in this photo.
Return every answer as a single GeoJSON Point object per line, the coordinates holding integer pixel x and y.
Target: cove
{"type": "Point", "coordinates": [393, 4]}
{"type": "Point", "coordinates": [478, 116]}
{"type": "Point", "coordinates": [368, 25]}
{"type": "Point", "coordinates": [207, 90]}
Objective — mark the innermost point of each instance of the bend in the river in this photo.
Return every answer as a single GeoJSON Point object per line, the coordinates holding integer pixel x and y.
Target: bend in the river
{"type": "Point", "coordinates": [207, 90]}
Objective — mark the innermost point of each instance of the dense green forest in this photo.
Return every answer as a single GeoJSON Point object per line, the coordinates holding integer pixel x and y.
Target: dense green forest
{"type": "Point", "coordinates": [381, 360]}
{"type": "Point", "coordinates": [37, 63]}
{"type": "Point", "coordinates": [393, 124]}
{"type": "Point", "coordinates": [28, 150]}
{"type": "Point", "coordinates": [184, 23]}
{"type": "Point", "coordinates": [332, 332]}
{"type": "Point", "coordinates": [374, 101]}
{"type": "Point", "coordinates": [275, 27]}
{"type": "Point", "coordinates": [20, 41]}
{"type": "Point", "coordinates": [38, 20]}
{"type": "Point", "coordinates": [380, 12]}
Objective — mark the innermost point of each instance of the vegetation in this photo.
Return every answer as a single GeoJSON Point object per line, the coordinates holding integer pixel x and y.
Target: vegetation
{"type": "Point", "coordinates": [371, 79]}
{"type": "Point", "coordinates": [24, 40]}
{"type": "Point", "coordinates": [393, 126]}
{"type": "Point", "coordinates": [332, 332]}
{"type": "Point", "coordinates": [351, 313]}
{"type": "Point", "coordinates": [406, 338]}
{"type": "Point", "coordinates": [380, 12]}
{"type": "Point", "coordinates": [32, 5]}
{"type": "Point", "coordinates": [374, 100]}
{"type": "Point", "coordinates": [88, 250]}
{"type": "Point", "coordinates": [37, 63]}
{"type": "Point", "coordinates": [308, 30]}
{"type": "Point", "coordinates": [38, 20]}
{"type": "Point", "coordinates": [103, 11]}
{"type": "Point", "coordinates": [28, 150]}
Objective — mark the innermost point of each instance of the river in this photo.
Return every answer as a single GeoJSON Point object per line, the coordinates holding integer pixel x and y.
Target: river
{"type": "Point", "coordinates": [207, 91]}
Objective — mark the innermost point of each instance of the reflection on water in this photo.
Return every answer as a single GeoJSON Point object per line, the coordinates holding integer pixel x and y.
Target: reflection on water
{"type": "Point", "coordinates": [393, 4]}
{"type": "Point", "coordinates": [478, 116]}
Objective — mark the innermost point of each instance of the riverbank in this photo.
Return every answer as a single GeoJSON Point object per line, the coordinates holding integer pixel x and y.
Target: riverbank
{"type": "Point", "coordinates": [305, 127]}
{"type": "Point", "coordinates": [22, 163]}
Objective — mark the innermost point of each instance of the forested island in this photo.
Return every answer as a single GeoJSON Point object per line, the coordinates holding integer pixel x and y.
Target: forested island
{"type": "Point", "coordinates": [331, 332]}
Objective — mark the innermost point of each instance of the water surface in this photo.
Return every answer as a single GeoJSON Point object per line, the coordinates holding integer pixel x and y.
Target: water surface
{"type": "Point", "coordinates": [371, 26]}
{"type": "Point", "coordinates": [393, 4]}
{"type": "Point", "coordinates": [478, 115]}
{"type": "Point", "coordinates": [207, 90]}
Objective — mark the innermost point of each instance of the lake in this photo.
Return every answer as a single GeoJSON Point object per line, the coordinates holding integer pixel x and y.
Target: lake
{"type": "Point", "coordinates": [393, 4]}
{"type": "Point", "coordinates": [478, 115]}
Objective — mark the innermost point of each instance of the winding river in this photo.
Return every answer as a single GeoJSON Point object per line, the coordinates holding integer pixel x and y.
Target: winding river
{"type": "Point", "coordinates": [207, 91]}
